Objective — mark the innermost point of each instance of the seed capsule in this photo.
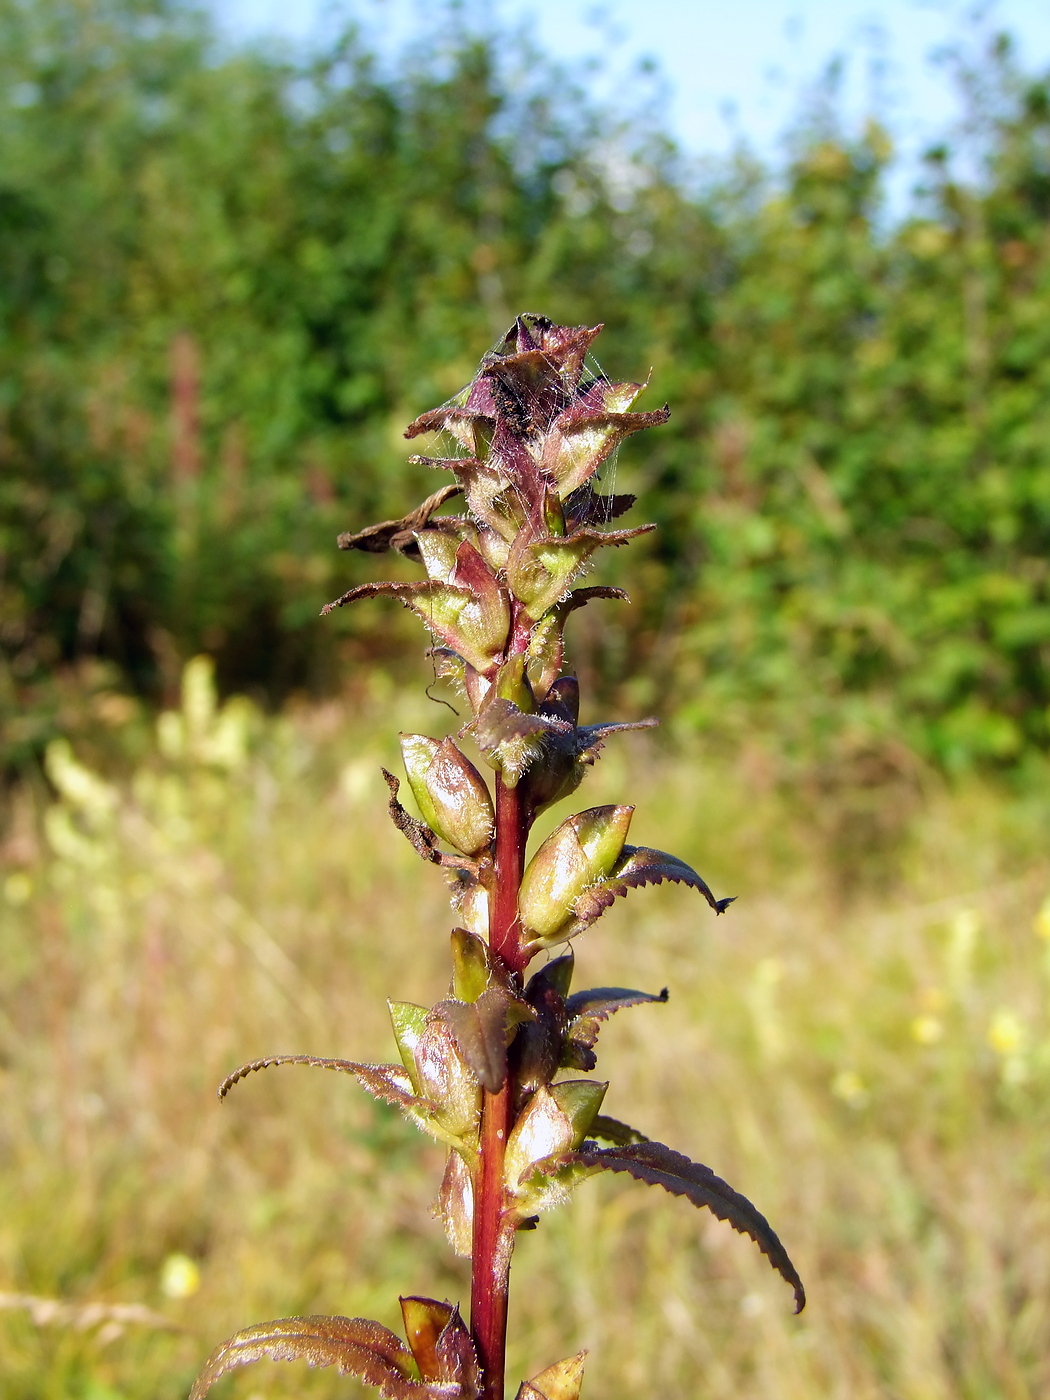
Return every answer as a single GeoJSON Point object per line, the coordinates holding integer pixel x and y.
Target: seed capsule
{"type": "Point", "coordinates": [580, 852]}
{"type": "Point", "coordinates": [450, 792]}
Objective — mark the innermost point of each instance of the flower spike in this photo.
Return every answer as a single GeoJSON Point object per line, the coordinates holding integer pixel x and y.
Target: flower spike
{"type": "Point", "coordinates": [483, 1069]}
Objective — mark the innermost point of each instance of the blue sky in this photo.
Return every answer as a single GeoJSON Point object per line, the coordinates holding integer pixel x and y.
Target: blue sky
{"type": "Point", "coordinates": [732, 68]}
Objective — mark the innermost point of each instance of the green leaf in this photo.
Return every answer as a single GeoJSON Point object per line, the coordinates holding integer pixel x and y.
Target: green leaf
{"type": "Point", "coordinates": [583, 850]}
{"type": "Point", "coordinates": [448, 1083]}
{"type": "Point", "coordinates": [471, 965]}
{"type": "Point", "coordinates": [408, 1021]}
{"type": "Point", "coordinates": [422, 839]}
{"type": "Point", "coordinates": [561, 1381]}
{"type": "Point", "coordinates": [579, 1100]}
{"type": "Point", "coordinates": [552, 1123]}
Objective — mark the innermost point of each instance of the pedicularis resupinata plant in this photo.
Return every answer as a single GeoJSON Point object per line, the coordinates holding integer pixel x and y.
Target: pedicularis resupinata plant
{"type": "Point", "coordinates": [493, 1070]}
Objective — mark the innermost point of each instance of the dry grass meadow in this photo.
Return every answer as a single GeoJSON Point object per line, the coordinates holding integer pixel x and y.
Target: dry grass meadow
{"type": "Point", "coordinates": [863, 1050]}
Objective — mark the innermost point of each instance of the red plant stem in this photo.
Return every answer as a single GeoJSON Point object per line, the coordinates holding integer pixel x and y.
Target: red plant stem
{"type": "Point", "coordinates": [490, 1262]}
{"type": "Point", "coordinates": [505, 929]}
{"type": "Point", "coordinates": [493, 1235]}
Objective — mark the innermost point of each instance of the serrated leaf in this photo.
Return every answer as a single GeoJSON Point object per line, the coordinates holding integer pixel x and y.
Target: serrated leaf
{"type": "Point", "coordinates": [355, 1345]}
{"type": "Point", "coordinates": [392, 1084]}
{"type": "Point", "coordinates": [388, 1082]}
{"type": "Point", "coordinates": [587, 1010]}
{"type": "Point", "coordinates": [591, 737]}
{"type": "Point", "coordinates": [639, 866]}
{"type": "Point", "coordinates": [658, 1165]}
{"type": "Point", "coordinates": [599, 1003]}
{"type": "Point", "coordinates": [612, 1130]}
{"type": "Point", "coordinates": [562, 1381]}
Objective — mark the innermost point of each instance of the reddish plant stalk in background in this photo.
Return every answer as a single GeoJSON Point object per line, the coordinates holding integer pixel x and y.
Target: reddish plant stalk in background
{"type": "Point", "coordinates": [493, 1069]}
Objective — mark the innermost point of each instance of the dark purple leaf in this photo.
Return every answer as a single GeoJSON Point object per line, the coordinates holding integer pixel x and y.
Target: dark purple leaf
{"type": "Point", "coordinates": [562, 700]}
{"type": "Point", "coordinates": [598, 1003]}
{"type": "Point", "coordinates": [355, 1345]}
{"type": "Point", "coordinates": [587, 1010]}
{"type": "Point", "coordinates": [480, 1030]}
{"type": "Point", "coordinates": [639, 866]}
{"type": "Point", "coordinates": [591, 737]}
{"type": "Point", "coordinates": [398, 534]}
{"type": "Point", "coordinates": [658, 1165]}
{"type": "Point", "coordinates": [514, 739]}
{"type": "Point", "coordinates": [587, 507]}
{"type": "Point", "coordinates": [612, 1130]}
{"type": "Point", "coordinates": [580, 597]}
{"type": "Point", "coordinates": [537, 1048]}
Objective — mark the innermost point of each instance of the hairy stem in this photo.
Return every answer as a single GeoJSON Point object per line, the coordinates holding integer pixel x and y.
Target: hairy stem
{"type": "Point", "coordinates": [493, 1233]}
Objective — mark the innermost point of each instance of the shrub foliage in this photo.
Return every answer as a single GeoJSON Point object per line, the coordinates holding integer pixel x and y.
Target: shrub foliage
{"type": "Point", "coordinates": [219, 267]}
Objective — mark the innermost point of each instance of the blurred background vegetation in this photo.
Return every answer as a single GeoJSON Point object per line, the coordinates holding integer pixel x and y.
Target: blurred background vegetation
{"type": "Point", "coordinates": [229, 276]}
{"type": "Point", "coordinates": [228, 279]}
